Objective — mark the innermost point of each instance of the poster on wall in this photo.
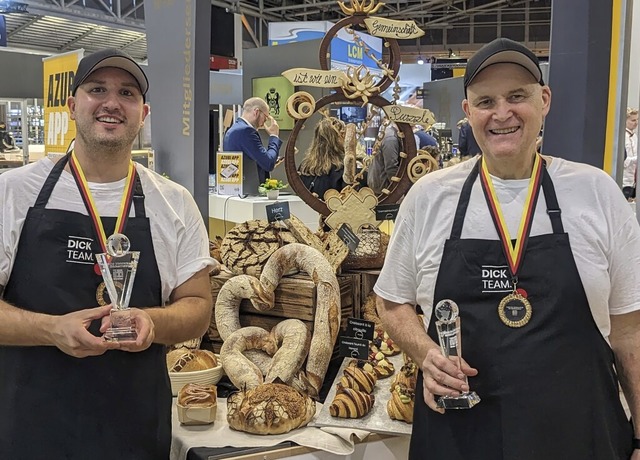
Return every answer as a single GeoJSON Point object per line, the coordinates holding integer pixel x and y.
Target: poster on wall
{"type": "Point", "coordinates": [229, 173]}
{"type": "Point", "coordinates": [275, 91]}
{"type": "Point", "coordinates": [58, 74]}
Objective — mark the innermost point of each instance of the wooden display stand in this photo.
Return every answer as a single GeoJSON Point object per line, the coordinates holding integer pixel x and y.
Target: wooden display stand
{"type": "Point", "coordinates": [295, 297]}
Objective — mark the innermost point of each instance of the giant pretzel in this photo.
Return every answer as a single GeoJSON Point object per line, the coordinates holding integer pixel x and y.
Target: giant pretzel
{"type": "Point", "coordinates": [288, 343]}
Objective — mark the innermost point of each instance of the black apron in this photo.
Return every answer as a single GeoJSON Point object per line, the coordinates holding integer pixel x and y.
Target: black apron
{"type": "Point", "coordinates": [548, 389]}
{"type": "Point", "coordinates": [54, 406]}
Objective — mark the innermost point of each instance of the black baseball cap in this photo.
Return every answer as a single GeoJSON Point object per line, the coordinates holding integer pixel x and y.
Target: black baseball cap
{"type": "Point", "coordinates": [502, 50]}
{"type": "Point", "coordinates": [110, 57]}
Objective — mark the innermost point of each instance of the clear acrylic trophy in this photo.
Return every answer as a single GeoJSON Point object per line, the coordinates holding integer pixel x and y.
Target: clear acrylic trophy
{"type": "Point", "coordinates": [118, 267]}
{"type": "Point", "coordinates": [448, 326]}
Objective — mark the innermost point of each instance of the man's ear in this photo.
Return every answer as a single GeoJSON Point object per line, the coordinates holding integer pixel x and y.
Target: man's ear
{"type": "Point", "coordinates": [465, 107]}
{"type": "Point", "coordinates": [145, 111]}
{"type": "Point", "coordinates": [71, 103]}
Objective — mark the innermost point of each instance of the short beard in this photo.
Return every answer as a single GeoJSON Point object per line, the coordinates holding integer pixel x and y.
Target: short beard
{"type": "Point", "coordinates": [104, 145]}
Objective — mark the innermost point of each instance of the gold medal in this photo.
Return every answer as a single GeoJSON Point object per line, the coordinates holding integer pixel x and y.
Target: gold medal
{"type": "Point", "coordinates": [515, 310]}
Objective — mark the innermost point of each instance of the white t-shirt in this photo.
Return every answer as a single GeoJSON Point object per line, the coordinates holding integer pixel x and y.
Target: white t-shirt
{"type": "Point", "coordinates": [603, 232]}
{"type": "Point", "coordinates": [180, 240]}
{"type": "Point", "coordinates": [631, 162]}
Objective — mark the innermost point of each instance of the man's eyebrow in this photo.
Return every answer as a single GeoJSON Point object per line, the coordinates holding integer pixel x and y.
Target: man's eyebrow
{"type": "Point", "coordinates": [102, 82]}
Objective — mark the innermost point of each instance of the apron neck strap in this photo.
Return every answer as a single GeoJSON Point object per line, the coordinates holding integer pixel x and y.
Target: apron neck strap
{"type": "Point", "coordinates": [553, 209]}
{"type": "Point", "coordinates": [54, 175]}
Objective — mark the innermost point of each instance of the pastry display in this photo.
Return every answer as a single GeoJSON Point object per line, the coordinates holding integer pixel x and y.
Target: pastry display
{"type": "Point", "coordinates": [197, 404]}
{"type": "Point", "coordinates": [383, 343]}
{"type": "Point", "coordinates": [407, 376]}
{"type": "Point", "coordinates": [400, 406]}
{"type": "Point", "coordinates": [271, 408]}
{"type": "Point", "coordinates": [350, 403]}
{"type": "Point", "coordinates": [358, 379]}
{"type": "Point", "coordinates": [185, 360]}
{"type": "Point", "coordinates": [381, 368]}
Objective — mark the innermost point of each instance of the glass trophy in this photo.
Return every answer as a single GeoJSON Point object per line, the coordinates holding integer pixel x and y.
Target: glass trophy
{"type": "Point", "coordinates": [448, 326]}
{"type": "Point", "coordinates": [118, 267]}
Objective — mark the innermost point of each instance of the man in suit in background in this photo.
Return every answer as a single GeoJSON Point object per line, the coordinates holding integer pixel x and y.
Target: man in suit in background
{"type": "Point", "coordinates": [243, 137]}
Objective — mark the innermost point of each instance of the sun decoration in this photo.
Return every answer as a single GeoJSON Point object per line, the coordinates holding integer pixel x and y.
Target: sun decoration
{"type": "Point", "coordinates": [360, 7]}
{"type": "Point", "coordinates": [358, 85]}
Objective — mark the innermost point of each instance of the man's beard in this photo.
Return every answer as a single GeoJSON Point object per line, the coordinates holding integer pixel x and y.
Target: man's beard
{"type": "Point", "coordinates": [104, 143]}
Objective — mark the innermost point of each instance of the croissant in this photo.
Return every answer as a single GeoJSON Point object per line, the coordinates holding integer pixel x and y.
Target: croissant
{"type": "Point", "coordinates": [407, 376]}
{"type": "Point", "coordinates": [401, 403]}
{"type": "Point", "coordinates": [381, 369]}
{"type": "Point", "coordinates": [350, 403]}
{"type": "Point", "coordinates": [358, 379]}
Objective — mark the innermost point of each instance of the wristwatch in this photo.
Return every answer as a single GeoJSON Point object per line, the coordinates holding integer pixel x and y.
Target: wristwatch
{"type": "Point", "coordinates": [636, 443]}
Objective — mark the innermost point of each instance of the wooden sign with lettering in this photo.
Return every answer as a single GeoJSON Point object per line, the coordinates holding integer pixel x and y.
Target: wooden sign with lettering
{"type": "Point", "coordinates": [315, 77]}
{"type": "Point", "coordinates": [412, 115]}
{"type": "Point", "coordinates": [390, 28]}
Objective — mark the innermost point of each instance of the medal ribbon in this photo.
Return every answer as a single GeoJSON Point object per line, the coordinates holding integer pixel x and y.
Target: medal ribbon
{"type": "Point", "coordinates": [514, 253]}
{"type": "Point", "coordinates": [85, 192]}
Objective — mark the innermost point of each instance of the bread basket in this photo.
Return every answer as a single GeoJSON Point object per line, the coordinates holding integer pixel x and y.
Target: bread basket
{"type": "Point", "coordinates": [206, 376]}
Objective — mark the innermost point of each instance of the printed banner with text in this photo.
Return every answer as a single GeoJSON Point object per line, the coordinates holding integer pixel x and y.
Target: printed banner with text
{"type": "Point", "coordinates": [58, 73]}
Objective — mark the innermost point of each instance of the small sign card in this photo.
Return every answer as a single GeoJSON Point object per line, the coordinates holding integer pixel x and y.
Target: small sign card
{"type": "Point", "coordinates": [278, 211]}
{"type": "Point", "coordinates": [360, 328]}
{"type": "Point", "coordinates": [348, 237]}
{"type": "Point", "coordinates": [387, 211]}
{"type": "Point", "coordinates": [354, 348]}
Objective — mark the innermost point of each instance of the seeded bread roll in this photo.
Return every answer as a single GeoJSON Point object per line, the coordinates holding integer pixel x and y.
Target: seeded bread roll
{"type": "Point", "coordinates": [184, 360]}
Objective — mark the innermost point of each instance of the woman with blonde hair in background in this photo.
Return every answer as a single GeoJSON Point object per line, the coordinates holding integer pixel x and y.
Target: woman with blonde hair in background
{"type": "Point", "coordinates": [323, 164]}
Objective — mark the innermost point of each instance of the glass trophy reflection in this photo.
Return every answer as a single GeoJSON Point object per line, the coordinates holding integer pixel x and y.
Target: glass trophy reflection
{"type": "Point", "coordinates": [448, 327]}
{"type": "Point", "coordinates": [118, 267]}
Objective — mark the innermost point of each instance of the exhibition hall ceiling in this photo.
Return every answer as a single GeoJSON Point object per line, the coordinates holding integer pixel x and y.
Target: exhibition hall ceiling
{"type": "Point", "coordinates": [453, 26]}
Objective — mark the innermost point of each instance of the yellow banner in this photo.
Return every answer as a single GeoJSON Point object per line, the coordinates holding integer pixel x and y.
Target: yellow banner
{"type": "Point", "coordinates": [315, 77]}
{"type": "Point", "coordinates": [390, 28]}
{"type": "Point", "coordinates": [59, 129]}
{"type": "Point", "coordinates": [412, 115]}
{"type": "Point", "coordinates": [229, 173]}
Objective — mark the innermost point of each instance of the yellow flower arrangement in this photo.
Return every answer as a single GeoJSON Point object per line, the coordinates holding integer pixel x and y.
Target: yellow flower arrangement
{"type": "Point", "coordinates": [273, 184]}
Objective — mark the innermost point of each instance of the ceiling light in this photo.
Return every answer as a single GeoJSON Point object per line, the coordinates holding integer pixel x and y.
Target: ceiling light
{"type": "Point", "coordinates": [420, 61]}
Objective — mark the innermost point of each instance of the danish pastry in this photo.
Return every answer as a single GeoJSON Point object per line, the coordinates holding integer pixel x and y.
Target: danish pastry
{"type": "Point", "coordinates": [401, 404]}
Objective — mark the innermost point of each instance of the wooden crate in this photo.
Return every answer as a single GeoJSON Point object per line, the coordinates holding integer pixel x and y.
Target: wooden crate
{"type": "Point", "coordinates": [295, 297]}
{"type": "Point", "coordinates": [362, 282]}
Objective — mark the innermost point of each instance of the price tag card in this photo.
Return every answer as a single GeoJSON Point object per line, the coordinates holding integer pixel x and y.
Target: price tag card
{"type": "Point", "coordinates": [387, 211]}
{"type": "Point", "coordinates": [354, 348]}
{"type": "Point", "coordinates": [348, 237]}
{"type": "Point", "coordinates": [360, 328]}
{"type": "Point", "coordinates": [278, 211]}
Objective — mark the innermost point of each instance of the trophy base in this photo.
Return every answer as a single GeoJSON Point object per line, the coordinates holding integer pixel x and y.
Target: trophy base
{"type": "Point", "coordinates": [121, 334]}
{"type": "Point", "coordinates": [121, 329]}
{"type": "Point", "coordinates": [464, 401]}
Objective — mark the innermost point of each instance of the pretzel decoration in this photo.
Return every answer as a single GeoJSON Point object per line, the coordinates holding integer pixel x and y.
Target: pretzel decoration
{"type": "Point", "coordinates": [288, 343]}
{"type": "Point", "coordinates": [421, 165]}
{"type": "Point", "coordinates": [301, 105]}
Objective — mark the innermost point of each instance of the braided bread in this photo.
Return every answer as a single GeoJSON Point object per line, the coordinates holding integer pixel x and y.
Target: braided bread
{"type": "Point", "coordinates": [350, 403]}
{"type": "Point", "coordinates": [401, 404]}
{"type": "Point", "coordinates": [358, 379]}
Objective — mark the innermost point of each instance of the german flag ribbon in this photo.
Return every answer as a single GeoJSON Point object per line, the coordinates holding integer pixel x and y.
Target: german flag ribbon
{"type": "Point", "coordinates": [85, 192]}
{"type": "Point", "coordinates": [514, 252]}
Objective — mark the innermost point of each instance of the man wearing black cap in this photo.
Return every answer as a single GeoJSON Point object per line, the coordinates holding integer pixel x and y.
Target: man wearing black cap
{"type": "Point", "coordinates": [65, 391]}
{"type": "Point", "coordinates": [535, 258]}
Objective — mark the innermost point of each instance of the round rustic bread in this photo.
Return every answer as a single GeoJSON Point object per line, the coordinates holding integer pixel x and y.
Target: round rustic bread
{"type": "Point", "coordinates": [184, 360]}
{"type": "Point", "coordinates": [247, 246]}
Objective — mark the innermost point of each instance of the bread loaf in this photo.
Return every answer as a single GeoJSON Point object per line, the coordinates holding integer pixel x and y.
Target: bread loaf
{"type": "Point", "coordinates": [184, 360]}
{"type": "Point", "coordinates": [197, 395]}
{"type": "Point", "coordinates": [350, 403]}
{"type": "Point", "coordinates": [271, 408]}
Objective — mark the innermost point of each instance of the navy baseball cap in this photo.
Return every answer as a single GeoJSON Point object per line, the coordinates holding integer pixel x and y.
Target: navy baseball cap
{"type": "Point", "coordinates": [110, 57]}
{"type": "Point", "coordinates": [502, 50]}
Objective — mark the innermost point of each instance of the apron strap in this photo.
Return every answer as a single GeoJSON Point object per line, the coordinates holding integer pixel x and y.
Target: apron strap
{"type": "Point", "coordinates": [50, 183]}
{"type": "Point", "coordinates": [54, 175]}
{"type": "Point", "coordinates": [138, 198]}
{"type": "Point", "coordinates": [553, 209]}
{"type": "Point", "coordinates": [463, 203]}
